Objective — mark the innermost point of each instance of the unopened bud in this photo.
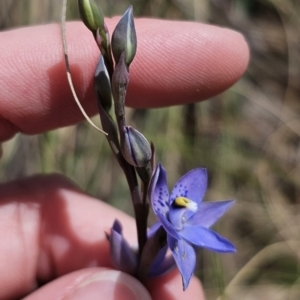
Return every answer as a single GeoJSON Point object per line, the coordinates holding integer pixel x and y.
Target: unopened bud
{"type": "Point", "coordinates": [91, 15]}
{"type": "Point", "coordinates": [124, 38]}
{"type": "Point", "coordinates": [102, 85]}
{"type": "Point", "coordinates": [135, 147]}
{"type": "Point", "coordinates": [120, 80]}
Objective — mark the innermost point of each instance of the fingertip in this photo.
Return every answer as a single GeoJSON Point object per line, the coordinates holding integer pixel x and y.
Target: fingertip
{"type": "Point", "coordinates": [169, 287]}
{"type": "Point", "coordinates": [95, 283]}
{"type": "Point", "coordinates": [188, 61]}
{"type": "Point", "coordinates": [240, 54]}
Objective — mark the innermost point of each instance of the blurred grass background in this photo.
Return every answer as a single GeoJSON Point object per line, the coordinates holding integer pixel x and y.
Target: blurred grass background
{"type": "Point", "coordinates": [247, 137]}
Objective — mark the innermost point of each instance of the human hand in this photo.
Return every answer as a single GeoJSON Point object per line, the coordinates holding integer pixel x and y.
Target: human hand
{"type": "Point", "coordinates": [50, 231]}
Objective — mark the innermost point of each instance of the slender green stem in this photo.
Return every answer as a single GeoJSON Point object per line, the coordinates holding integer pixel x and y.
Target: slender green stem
{"type": "Point", "coordinates": [140, 210]}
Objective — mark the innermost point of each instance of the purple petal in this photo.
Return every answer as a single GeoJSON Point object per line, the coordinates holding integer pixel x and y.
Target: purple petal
{"type": "Point", "coordinates": [176, 216]}
{"type": "Point", "coordinates": [206, 238]}
{"type": "Point", "coordinates": [169, 228]}
{"type": "Point", "coordinates": [208, 213]}
{"type": "Point", "coordinates": [160, 256]}
{"type": "Point", "coordinates": [122, 256]}
{"type": "Point", "coordinates": [117, 226]}
{"type": "Point", "coordinates": [158, 191]}
{"type": "Point", "coordinates": [185, 258]}
{"type": "Point", "coordinates": [153, 229]}
{"type": "Point", "coordinates": [166, 265]}
{"type": "Point", "coordinates": [192, 185]}
{"type": "Point", "coordinates": [161, 263]}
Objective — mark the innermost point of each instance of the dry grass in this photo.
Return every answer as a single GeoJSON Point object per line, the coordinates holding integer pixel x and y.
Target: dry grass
{"type": "Point", "coordinates": [248, 138]}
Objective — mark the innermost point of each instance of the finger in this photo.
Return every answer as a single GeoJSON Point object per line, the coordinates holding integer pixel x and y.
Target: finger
{"type": "Point", "coordinates": [176, 62]}
{"type": "Point", "coordinates": [93, 283]}
{"type": "Point", "coordinates": [48, 229]}
{"type": "Point", "coordinates": [169, 287]}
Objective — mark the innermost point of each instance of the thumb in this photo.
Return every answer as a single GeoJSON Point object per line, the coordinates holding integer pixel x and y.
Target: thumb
{"type": "Point", "coordinates": [92, 283]}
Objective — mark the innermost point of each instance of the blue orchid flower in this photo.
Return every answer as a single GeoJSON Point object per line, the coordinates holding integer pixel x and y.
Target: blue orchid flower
{"type": "Point", "coordinates": [186, 219]}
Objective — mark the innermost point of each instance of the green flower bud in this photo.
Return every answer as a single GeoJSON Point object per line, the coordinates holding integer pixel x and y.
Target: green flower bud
{"type": "Point", "coordinates": [120, 80]}
{"type": "Point", "coordinates": [91, 15]}
{"type": "Point", "coordinates": [135, 147]}
{"type": "Point", "coordinates": [102, 85]}
{"type": "Point", "coordinates": [124, 38]}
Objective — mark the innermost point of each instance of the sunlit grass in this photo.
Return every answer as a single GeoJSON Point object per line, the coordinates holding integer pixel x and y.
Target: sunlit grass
{"type": "Point", "coordinates": [247, 137]}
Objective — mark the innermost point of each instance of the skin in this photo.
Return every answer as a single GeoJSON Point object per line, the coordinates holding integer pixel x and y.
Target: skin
{"type": "Point", "coordinates": [52, 234]}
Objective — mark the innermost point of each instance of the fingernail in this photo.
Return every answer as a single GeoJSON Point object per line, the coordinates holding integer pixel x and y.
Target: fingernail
{"type": "Point", "coordinates": [110, 284]}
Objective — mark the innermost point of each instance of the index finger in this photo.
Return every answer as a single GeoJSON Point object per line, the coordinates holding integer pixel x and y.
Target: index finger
{"type": "Point", "coordinates": [176, 63]}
